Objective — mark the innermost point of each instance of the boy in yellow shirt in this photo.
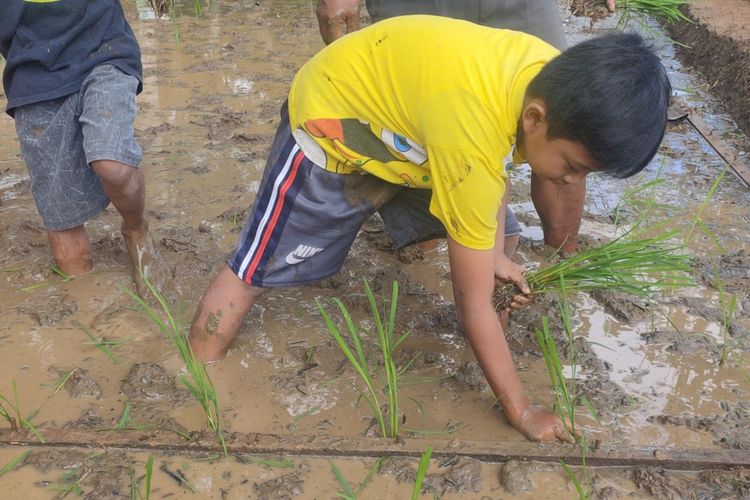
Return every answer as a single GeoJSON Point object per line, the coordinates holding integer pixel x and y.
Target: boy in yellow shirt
{"type": "Point", "coordinates": [423, 102]}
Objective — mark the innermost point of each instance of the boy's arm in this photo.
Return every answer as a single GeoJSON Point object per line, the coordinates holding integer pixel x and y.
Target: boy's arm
{"type": "Point", "coordinates": [505, 268]}
{"type": "Point", "coordinates": [473, 281]}
{"type": "Point", "coordinates": [332, 13]}
{"type": "Point", "coordinates": [560, 209]}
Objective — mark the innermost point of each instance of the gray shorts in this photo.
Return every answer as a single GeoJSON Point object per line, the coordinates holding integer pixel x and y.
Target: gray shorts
{"type": "Point", "coordinates": [304, 218]}
{"type": "Point", "coordinates": [60, 138]}
{"type": "Point", "coordinates": [540, 18]}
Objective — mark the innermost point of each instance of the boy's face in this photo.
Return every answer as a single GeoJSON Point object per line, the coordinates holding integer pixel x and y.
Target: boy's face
{"type": "Point", "coordinates": [560, 160]}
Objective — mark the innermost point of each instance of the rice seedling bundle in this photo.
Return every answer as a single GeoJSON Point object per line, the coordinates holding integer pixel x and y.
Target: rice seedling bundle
{"type": "Point", "coordinates": [637, 266]}
{"type": "Point", "coordinates": [665, 10]}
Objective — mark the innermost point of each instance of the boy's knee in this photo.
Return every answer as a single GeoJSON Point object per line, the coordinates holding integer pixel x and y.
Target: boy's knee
{"type": "Point", "coordinates": [117, 175]}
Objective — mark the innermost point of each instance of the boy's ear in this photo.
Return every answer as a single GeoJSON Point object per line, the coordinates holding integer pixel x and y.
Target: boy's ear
{"type": "Point", "coordinates": [534, 116]}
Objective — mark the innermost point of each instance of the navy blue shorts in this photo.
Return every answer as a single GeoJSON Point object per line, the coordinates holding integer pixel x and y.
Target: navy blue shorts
{"type": "Point", "coordinates": [304, 219]}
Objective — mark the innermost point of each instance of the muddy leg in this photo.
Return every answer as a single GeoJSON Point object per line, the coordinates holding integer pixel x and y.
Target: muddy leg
{"type": "Point", "coordinates": [220, 314]}
{"type": "Point", "coordinates": [511, 243]}
{"type": "Point", "coordinates": [71, 250]}
{"type": "Point", "coordinates": [126, 188]}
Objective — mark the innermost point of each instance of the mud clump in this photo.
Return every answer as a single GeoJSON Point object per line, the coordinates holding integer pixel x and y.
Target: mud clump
{"type": "Point", "coordinates": [151, 382]}
{"type": "Point", "coordinates": [463, 476]}
{"type": "Point", "coordinates": [623, 307]}
{"type": "Point", "coordinates": [400, 468]}
{"type": "Point", "coordinates": [49, 310]}
{"type": "Point", "coordinates": [279, 488]}
{"type": "Point", "coordinates": [79, 383]}
{"type": "Point", "coordinates": [514, 476]}
{"type": "Point", "coordinates": [730, 428]}
{"type": "Point", "coordinates": [90, 419]}
{"type": "Point", "coordinates": [593, 9]}
{"type": "Point", "coordinates": [470, 375]}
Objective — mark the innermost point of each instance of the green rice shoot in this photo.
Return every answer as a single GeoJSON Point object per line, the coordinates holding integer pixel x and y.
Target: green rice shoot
{"type": "Point", "coordinates": [135, 492]}
{"type": "Point", "coordinates": [11, 412]}
{"type": "Point", "coordinates": [663, 10]}
{"type": "Point", "coordinates": [103, 344]}
{"type": "Point", "coordinates": [358, 359]}
{"type": "Point", "coordinates": [197, 381]}
{"type": "Point", "coordinates": [635, 265]}
{"type": "Point", "coordinates": [424, 463]}
{"type": "Point", "coordinates": [11, 466]}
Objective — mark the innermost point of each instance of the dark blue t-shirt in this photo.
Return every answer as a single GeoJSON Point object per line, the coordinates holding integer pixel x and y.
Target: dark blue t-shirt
{"type": "Point", "coordinates": [51, 45]}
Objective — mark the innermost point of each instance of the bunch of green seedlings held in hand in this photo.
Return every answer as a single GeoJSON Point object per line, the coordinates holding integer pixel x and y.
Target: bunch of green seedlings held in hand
{"type": "Point", "coordinates": [638, 266]}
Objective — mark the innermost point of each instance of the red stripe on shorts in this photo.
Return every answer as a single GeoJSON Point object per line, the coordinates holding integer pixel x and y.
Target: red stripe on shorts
{"type": "Point", "coordinates": [275, 217]}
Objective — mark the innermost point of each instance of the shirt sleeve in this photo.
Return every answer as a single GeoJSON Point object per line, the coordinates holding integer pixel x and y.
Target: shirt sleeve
{"type": "Point", "coordinates": [466, 195]}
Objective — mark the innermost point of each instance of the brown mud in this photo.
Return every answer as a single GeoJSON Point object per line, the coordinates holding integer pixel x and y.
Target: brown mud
{"type": "Point", "coordinates": [206, 118]}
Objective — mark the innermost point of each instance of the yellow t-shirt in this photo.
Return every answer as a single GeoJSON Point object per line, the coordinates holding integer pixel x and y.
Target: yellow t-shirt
{"type": "Point", "coordinates": [422, 101]}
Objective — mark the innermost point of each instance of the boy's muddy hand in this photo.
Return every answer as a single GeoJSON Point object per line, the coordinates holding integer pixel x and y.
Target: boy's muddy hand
{"type": "Point", "coordinates": [146, 260]}
{"type": "Point", "coordinates": [538, 424]}
{"type": "Point", "coordinates": [508, 271]}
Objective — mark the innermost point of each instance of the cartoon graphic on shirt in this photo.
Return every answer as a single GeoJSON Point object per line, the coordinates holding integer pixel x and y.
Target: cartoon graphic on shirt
{"type": "Point", "coordinates": [359, 143]}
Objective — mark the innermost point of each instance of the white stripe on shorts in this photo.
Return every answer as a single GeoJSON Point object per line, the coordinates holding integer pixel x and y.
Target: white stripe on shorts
{"type": "Point", "coordinates": [269, 210]}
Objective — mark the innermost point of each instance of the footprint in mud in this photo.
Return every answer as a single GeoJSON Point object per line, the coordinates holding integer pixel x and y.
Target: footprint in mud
{"type": "Point", "coordinates": [49, 310]}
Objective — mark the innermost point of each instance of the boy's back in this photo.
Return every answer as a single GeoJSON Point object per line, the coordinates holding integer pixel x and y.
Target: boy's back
{"type": "Point", "coordinates": [414, 99]}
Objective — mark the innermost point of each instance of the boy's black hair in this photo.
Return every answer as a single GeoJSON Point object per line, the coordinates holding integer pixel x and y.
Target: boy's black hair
{"type": "Point", "coordinates": [610, 94]}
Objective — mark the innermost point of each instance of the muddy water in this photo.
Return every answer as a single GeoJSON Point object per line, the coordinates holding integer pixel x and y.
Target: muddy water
{"type": "Point", "coordinates": [206, 117]}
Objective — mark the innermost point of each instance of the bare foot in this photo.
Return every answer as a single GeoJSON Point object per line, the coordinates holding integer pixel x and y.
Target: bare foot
{"type": "Point", "coordinates": [146, 261]}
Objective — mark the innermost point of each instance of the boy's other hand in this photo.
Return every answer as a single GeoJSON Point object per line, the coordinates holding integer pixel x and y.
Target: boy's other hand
{"type": "Point", "coordinates": [333, 13]}
{"type": "Point", "coordinates": [611, 5]}
{"type": "Point", "coordinates": [508, 271]}
{"type": "Point", "coordinates": [537, 424]}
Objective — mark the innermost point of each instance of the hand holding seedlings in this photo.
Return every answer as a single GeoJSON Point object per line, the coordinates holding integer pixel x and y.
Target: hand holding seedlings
{"type": "Point", "coordinates": [507, 271]}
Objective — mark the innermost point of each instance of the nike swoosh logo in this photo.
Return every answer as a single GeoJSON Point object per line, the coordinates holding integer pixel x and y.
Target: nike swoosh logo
{"type": "Point", "coordinates": [301, 253]}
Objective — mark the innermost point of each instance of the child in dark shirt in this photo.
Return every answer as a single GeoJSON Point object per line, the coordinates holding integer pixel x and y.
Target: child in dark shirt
{"type": "Point", "coordinates": [71, 75]}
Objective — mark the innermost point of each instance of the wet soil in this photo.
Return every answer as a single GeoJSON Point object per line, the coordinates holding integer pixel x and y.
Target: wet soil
{"type": "Point", "coordinates": [206, 118]}
{"type": "Point", "coordinates": [717, 44]}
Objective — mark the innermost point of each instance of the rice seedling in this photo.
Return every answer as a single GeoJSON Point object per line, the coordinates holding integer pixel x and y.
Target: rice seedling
{"type": "Point", "coordinates": [17, 421]}
{"type": "Point", "coordinates": [698, 216]}
{"type": "Point", "coordinates": [566, 392]}
{"type": "Point", "coordinates": [728, 304]}
{"type": "Point", "coordinates": [11, 466]}
{"type": "Point", "coordinates": [103, 344]}
{"type": "Point", "coordinates": [347, 492]}
{"type": "Point", "coordinates": [62, 380]}
{"type": "Point", "coordinates": [638, 266]}
{"type": "Point", "coordinates": [197, 381]}
{"type": "Point", "coordinates": [70, 481]}
{"type": "Point", "coordinates": [64, 279]}
{"type": "Point", "coordinates": [178, 476]}
{"type": "Point", "coordinates": [135, 492]}
{"type": "Point", "coordinates": [358, 359]}
{"type": "Point", "coordinates": [424, 463]}
{"type": "Point", "coordinates": [663, 10]}
{"type": "Point", "coordinates": [281, 463]}
{"type": "Point", "coordinates": [310, 411]}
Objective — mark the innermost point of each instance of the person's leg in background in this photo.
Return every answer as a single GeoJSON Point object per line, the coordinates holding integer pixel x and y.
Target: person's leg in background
{"type": "Point", "coordinates": [107, 113]}
{"type": "Point", "coordinates": [66, 191]}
